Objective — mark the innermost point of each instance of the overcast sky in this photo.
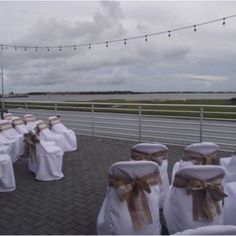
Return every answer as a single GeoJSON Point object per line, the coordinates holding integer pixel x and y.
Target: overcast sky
{"type": "Point", "coordinates": [200, 61]}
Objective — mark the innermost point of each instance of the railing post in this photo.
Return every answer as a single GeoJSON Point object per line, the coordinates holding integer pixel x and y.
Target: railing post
{"type": "Point", "coordinates": [140, 123]}
{"type": "Point", "coordinates": [92, 119]}
{"type": "Point", "coordinates": [26, 107]}
{"type": "Point", "coordinates": [201, 122]}
{"type": "Point", "coordinates": [55, 107]}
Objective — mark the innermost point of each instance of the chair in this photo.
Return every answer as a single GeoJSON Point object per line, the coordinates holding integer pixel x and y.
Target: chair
{"type": "Point", "coordinates": [229, 163]}
{"type": "Point", "coordinates": [19, 125]}
{"type": "Point", "coordinates": [30, 122]}
{"type": "Point", "coordinates": [70, 141]}
{"type": "Point", "coordinates": [195, 198]}
{"type": "Point", "coordinates": [46, 134]}
{"type": "Point", "coordinates": [229, 204]}
{"type": "Point", "coordinates": [7, 178]}
{"type": "Point", "coordinates": [204, 153]}
{"type": "Point", "coordinates": [45, 160]}
{"type": "Point", "coordinates": [8, 132]}
{"type": "Point", "coordinates": [157, 153]}
{"type": "Point", "coordinates": [211, 230]}
{"type": "Point", "coordinates": [131, 204]}
{"type": "Point", "coordinates": [7, 116]}
{"type": "Point", "coordinates": [11, 147]}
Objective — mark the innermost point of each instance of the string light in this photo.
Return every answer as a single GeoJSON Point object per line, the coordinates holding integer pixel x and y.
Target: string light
{"type": "Point", "coordinates": [223, 20]}
{"type": "Point", "coordinates": [146, 38]}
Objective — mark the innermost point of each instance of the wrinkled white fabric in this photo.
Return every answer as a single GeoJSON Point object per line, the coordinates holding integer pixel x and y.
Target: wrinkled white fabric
{"type": "Point", "coordinates": [211, 230]}
{"type": "Point", "coordinates": [30, 122]}
{"type": "Point", "coordinates": [152, 148]}
{"type": "Point", "coordinates": [178, 204]}
{"type": "Point", "coordinates": [70, 141]}
{"type": "Point", "coordinates": [14, 147]}
{"type": "Point", "coordinates": [48, 164]}
{"type": "Point", "coordinates": [19, 125]}
{"type": "Point", "coordinates": [229, 204]}
{"type": "Point", "coordinates": [229, 163]}
{"type": "Point", "coordinates": [7, 178]}
{"type": "Point", "coordinates": [114, 217]}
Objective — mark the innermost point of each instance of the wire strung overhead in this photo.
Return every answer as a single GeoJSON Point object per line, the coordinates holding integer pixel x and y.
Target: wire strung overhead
{"type": "Point", "coordinates": [108, 42]}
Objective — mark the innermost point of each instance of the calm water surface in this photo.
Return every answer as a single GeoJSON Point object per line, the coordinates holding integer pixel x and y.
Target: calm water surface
{"type": "Point", "coordinates": [156, 96]}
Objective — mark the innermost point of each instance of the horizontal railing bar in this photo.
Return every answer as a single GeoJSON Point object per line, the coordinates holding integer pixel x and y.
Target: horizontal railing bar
{"type": "Point", "coordinates": [170, 133]}
{"type": "Point", "coordinates": [169, 127]}
{"type": "Point", "coordinates": [171, 122]}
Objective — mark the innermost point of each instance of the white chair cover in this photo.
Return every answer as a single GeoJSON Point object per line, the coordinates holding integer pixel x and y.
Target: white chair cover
{"type": "Point", "coordinates": [19, 125]}
{"type": "Point", "coordinates": [161, 152]}
{"type": "Point", "coordinates": [13, 147]}
{"type": "Point", "coordinates": [178, 207]}
{"type": "Point", "coordinates": [203, 149]}
{"type": "Point", "coordinates": [70, 141]}
{"type": "Point", "coordinates": [47, 135]}
{"type": "Point", "coordinates": [30, 122]}
{"type": "Point", "coordinates": [211, 230]}
{"type": "Point", "coordinates": [48, 164]}
{"type": "Point", "coordinates": [229, 163]}
{"type": "Point", "coordinates": [11, 134]}
{"type": "Point", "coordinates": [229, 204]}
{"type": "Point", "coordinates": [7, 178]}
{"type": "Point", "coordinates": [114, 216]}
{"type": "Point", "coordinates": [7, 116]}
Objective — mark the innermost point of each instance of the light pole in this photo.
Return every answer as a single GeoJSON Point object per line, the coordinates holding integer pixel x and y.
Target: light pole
{"type": "Point", "coordinates": [2, 98]}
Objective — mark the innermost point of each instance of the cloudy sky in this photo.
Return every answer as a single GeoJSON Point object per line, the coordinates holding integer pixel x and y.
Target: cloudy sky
{"type": "Point", "coordinates": [201, 61]}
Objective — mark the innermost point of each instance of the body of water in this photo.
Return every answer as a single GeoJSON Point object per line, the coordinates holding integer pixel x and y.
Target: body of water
{"type": "Point", "coordinates": [154, 96]}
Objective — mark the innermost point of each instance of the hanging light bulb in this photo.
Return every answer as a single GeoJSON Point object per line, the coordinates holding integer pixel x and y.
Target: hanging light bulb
{"type": "Point", "coordinates": [169, 35]}
{"type": "Point", "coordinates": [125, 41]}
{"type": "Point", "coordinates": [60, 48]}
{"type": "Point", "coordinates": [223, 21]}
{"type": "Point", "coordinates": [89, 46]}
{"type": "Point", "coordinates": [48, 49]}
{"type": "Point", "coordinates": [146, 38]}
{"type": "Point", "coordinates": [74, 47]}
{"type": "Point", "coordinates": [107, 44]}
{"type": "Point", "coordinates": [195, 28]}
{"type": "Point", "coordinates": [36, 49]}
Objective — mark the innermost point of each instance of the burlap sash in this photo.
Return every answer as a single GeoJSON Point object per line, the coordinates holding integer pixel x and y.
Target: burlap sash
{"type": "Point", "coordinates": [157, 157]}
{"type": "Point", "coordinates": [30, 140]}
{"type": "Point", "coordinates": [17, 122]}
{"type": "Point", "coordinates": [200, 159]}
{"type": "Point", "coordinates": [205, 195]}
{"type": "Point", "coordinates": [5, 126]}
{"type": "Point", "coordinates": [40, 127]}
{"type": "Point", "coordinates": [132, 190]}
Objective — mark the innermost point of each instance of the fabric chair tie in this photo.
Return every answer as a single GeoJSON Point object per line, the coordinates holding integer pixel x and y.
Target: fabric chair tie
{"type": "Point", "coordinates": [5, 126]}
{"type": "Point", "coordinates": [133, 192]}
{"type": "Point", "coordinates": [199, 159]}
{"type": "Point", "coordinates": [157, 157]}
{"type": "Point", "coordinates": [30, 141]}
{"type": "Point", "coordinates": [205, 195]}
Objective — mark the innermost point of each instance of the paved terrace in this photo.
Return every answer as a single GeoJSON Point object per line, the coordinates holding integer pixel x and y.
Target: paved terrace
{"type": "Point", "coordinates": [71, 205]}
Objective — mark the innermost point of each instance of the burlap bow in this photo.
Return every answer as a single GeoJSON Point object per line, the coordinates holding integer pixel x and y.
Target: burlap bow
{"type": "Point", "coordinates": [132, 191]}
{"type": "Point", "coordinates": [30, 140]}
{"type": "Point", "coordinates": [157, 157]}
{"type": "Point", "coordinates": [200, 159]}
{"type": "Point", "coordinates": [205, 195]}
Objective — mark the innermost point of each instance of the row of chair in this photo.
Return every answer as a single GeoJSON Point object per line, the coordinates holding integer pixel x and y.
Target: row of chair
{"type": "Point", "coordinates": [32, 138]}
{"type": "Point", "coordinates": [138, 189]}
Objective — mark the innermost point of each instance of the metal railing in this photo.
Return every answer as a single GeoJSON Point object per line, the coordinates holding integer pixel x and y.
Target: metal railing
{"type": "Point", "coordinates": [178, 124]}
